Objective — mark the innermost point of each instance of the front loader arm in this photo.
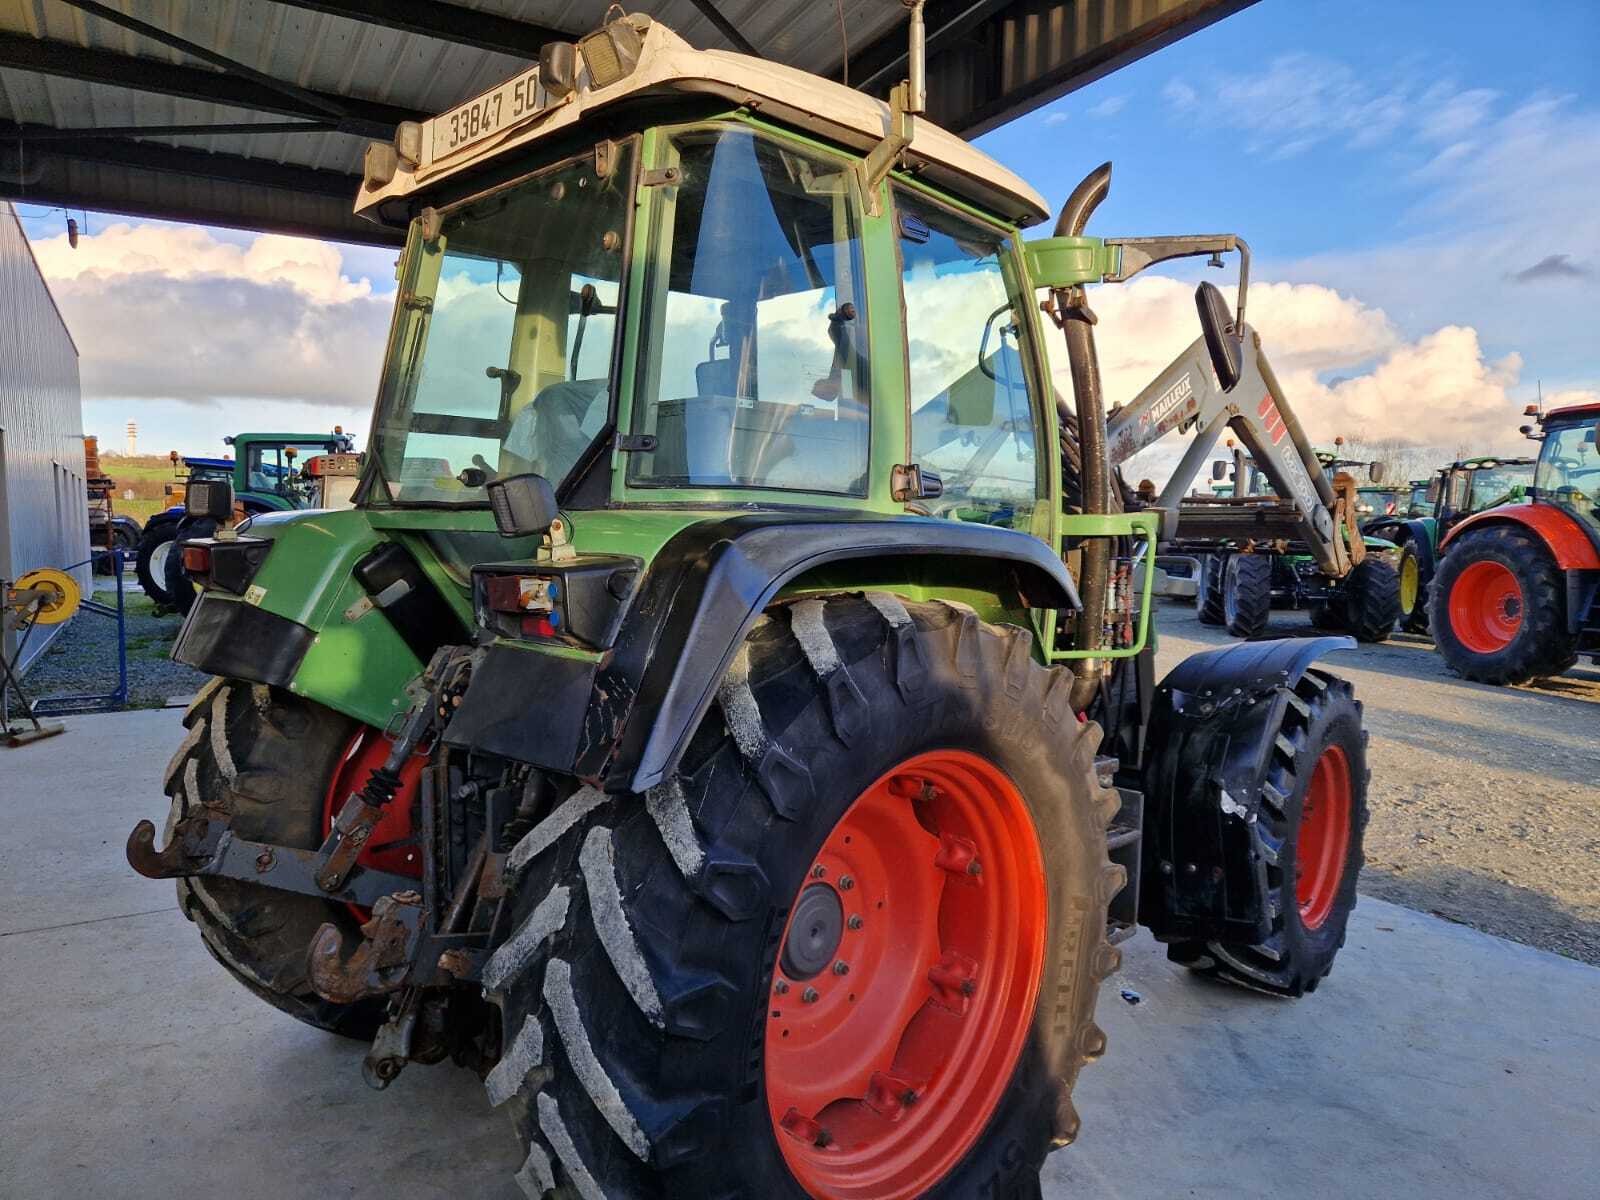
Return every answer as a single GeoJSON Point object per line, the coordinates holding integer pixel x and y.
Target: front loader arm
{"type": "Point", "coordinates": [1188, 393]}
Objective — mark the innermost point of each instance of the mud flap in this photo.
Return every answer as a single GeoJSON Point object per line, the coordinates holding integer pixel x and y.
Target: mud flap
{"type": "Point", "coordinates": [1204, 869]}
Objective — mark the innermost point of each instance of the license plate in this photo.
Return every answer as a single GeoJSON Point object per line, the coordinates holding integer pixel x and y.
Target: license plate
{"type": "Point", "coordinates": [488, 114]}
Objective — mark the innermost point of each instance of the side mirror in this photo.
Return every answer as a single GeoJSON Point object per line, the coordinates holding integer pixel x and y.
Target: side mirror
{"type": "Point", "coordinates": [1375, 472]}
{"type": "Point", "coordinates": [1222, 340]}
{"type": "Point", "coordinates": [523, 504]}
{"type": "Point", "coordinates": [1219, 471]}
{"type": "Point", "coordinates": [209, 498]}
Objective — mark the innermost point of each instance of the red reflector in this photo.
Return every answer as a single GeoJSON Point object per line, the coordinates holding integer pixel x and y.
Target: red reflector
{"type": "Point", "coordinates": [197, 559]}
{"type": "Point", "coordinates": [538, 627]}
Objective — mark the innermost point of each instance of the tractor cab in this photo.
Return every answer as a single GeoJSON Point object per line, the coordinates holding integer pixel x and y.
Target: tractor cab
{"type": "Point", "coordinates": [1568, 471]}
{"type": "Point", "coordinates": [681, 306]}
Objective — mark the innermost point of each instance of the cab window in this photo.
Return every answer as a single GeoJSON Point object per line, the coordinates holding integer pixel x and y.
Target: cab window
{"type": "Point", "coordinates": [754, 374]}
{"type": "Point", "coordinates": [971, 391]}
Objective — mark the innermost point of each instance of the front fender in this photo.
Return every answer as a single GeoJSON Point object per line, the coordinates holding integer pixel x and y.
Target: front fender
{"type": "Point", "coordinates": [1569, 544]}
{"type": "Point", "coordinates": [1216, 715]}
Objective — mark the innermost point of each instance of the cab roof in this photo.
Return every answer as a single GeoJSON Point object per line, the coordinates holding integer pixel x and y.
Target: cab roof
{"type": "Point", "coordinates": [669, 66]}
{"type": "Point", "coordinates": [1573, 412]}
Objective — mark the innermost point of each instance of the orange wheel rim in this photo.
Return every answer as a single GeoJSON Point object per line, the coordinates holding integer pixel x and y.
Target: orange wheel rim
{"type": "Point", "coordinates": [1324, 841]}
{"type": "Point", "coordinates": [392, 846]}
{"type": "Point", "coordinates": [1486, 607]}
{"type": "Point", "coordinates": [907, 980]}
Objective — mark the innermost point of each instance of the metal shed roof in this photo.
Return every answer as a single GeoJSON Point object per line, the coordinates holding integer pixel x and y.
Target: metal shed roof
{"type": "Point", "coordinates": [98, 100]}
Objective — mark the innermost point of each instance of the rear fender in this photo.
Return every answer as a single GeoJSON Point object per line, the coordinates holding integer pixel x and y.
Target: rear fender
{"type": "Point", "coordinates": [700, 596]}
{"type": "Point", "coordinates": [1204, 873]}
{"type": "Point", "coordinates": [1568, 543]}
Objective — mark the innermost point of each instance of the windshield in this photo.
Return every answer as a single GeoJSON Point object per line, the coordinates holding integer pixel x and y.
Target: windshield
{"type": "Point", "coordinates": [1494, 486]}
{"type": "Point", "coordinates": [500, 360]}
{"type": "Point", "coordinates": [755, 372]}
{"type": "Point", "coordinates": [1569, 471]}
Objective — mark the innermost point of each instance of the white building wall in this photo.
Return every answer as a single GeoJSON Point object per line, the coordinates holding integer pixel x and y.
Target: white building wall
{"type": "Point", "coordinates": [44, 519]}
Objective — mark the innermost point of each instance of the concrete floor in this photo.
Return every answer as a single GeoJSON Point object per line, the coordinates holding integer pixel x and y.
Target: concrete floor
{"type": "Point", "coordinates": [1435, 1062]}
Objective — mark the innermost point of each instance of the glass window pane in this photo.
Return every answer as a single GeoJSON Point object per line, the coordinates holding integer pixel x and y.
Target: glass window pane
{"type": "Point", "coordinates": [504, 355]}
{"type": "Point", "coordinates": [755, 374]}
{"type": "Point", "coordinates": [972, 418]}
{"type": "Point", "coordinates": [1569, 471]}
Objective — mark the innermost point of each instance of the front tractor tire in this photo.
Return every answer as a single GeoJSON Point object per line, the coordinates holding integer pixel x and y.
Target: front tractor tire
{"type": "Point", "coordinates": [1209, 589]}
{"type": "Point", "coordinates": [851, 949]}
{"type": "Point", "coordinates": [1371, 599]}
{"type": "Point", "coordinates": [1312, 819]}
{"type": "Point", "coordinates": [265, 759]}
{"type": "Point", "coordinates": [1247, 594]}
{"type": "Point", "coordinates": [1498, 608]}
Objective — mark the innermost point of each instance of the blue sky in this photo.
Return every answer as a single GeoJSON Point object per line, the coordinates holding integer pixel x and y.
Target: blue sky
{"type": "Point", "coordinates": [1417, 179]}
{"type": "Point", "coordinates": [1323, 132]}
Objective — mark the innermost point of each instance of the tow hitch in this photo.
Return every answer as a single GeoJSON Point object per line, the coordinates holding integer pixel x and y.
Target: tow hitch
{"type": "Point", "coordinates": [417, 944]}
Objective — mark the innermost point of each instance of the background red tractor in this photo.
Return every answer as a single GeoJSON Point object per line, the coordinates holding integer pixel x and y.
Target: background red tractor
{"type": "Point", "coordinates": [1515, 596]}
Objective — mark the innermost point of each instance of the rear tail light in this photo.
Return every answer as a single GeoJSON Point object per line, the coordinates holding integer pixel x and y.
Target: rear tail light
{"type": "Point", "coordinates": [197, 560]}
{"type": "Point", "coordinates": [524, 594]}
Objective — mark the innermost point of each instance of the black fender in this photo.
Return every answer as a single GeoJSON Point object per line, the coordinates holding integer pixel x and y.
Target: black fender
{"type": "Point", "coordinates": [690, 613]}
{"type": "Point", "coordinates": [1215, 717]}
{"type": "Point", "coordinates": [1415, 534]}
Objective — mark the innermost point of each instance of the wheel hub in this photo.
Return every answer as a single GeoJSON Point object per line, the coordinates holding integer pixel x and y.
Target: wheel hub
{"type": "Point", "coordinates": [1486, 607]}
{"type": "Point", "coordinates": [907, 981]}
{"type": "Point", "coordinates": [814, 932]}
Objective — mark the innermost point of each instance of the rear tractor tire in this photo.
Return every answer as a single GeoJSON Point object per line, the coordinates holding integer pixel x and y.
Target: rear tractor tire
{"type": "Point", "coordinates": [1372, 599]}
{"type": "Point", "coordinates": [1247, 594]}
{"type": "Point", "coordinates": [1312, 819]}
{"type": "Point", "coordinates": [1208, 590]}
{"type": "Point", "coordinates": [269, 760]}
{"type": "Point", "coordinates": [722, 987]}
{"type": "Point", "coordinates": [1499, 608]}
{"type": "Point", "coordinates": [181, 590]}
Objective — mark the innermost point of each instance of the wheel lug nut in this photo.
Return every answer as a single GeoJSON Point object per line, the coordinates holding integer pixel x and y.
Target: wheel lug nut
{"type": "Point", "coordinates": [818, 871]}
{"type": "Point", "coordinates": [809, 995]}
{"type": "Point", "coordinates": [781, 986]}
{"type": "Point", "coordinates": [855, 922]}
{"type": "Point", "coordinates": [974, 867]}
{"type": "Point", "coordinates": [846, 883]}
{"type": "Point", "coordinates": [841, 967]}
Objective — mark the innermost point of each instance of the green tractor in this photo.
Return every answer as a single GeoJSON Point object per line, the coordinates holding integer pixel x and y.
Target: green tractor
{"type": "Point", "coordinates": [1454, 493]}
{"type": "Point", "coordinates": [727, 719]}
{"type": "Point", "coordinates": [267, 474]}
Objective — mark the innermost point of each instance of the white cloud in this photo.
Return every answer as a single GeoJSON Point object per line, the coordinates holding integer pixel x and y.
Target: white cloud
{"type": "Point", "coordinates": [173, 313]}
{"type": "Point", "coordinates": [1347, 370]}
{"type": "Point", "coordinates": [1109, 107]}
{"type": "Point", "coordinates": [1056, 118]}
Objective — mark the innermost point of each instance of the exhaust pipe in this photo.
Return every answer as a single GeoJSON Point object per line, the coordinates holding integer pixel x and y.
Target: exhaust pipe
{"type": "Point", "coordinates": [1077, 326]}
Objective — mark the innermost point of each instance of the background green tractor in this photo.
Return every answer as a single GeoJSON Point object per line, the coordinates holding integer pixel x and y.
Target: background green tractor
{"type": "Point", "coordinates": [727, 719]}
{"type": "Point", "coordinates": [1251, 560]}
{"type": "Point", "coordinates": [267, 474]}
{"type": "Point", "coordinates": [1450, 497]}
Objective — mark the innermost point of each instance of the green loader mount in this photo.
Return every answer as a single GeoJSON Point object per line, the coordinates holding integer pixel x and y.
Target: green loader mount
{"type": "Point", "coordinates": [727, 719]}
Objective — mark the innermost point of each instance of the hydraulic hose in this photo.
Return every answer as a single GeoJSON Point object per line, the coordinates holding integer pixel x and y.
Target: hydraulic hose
{"type": "Point", "coordinates": [1077, 326]}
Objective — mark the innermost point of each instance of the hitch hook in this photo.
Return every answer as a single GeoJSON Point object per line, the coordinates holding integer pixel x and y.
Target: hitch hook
{"type": "Point", "coordinates": [185, 854]}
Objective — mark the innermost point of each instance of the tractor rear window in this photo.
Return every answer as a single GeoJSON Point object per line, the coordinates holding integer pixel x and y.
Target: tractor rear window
{"type": "Point", "coordinates": [500, 361]}
{"type": "Point", "coordinates": [1569, 470]}
{"type": "Point", "coordinates": [755, 371]}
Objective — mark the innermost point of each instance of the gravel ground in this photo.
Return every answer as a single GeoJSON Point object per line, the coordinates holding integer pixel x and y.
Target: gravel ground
{"type": "Point", "coordinates": [83, 658]}
{"type": "Point", "coordinates": [1485, 801]}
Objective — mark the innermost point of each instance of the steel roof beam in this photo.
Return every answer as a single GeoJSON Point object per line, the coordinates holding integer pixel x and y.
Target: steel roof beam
{"type": "Point", "coordinates": [447, 22]}
{"type": "Point", "coordinates": [365, 118]}
{"type": "Point", "coordinates": [168, 160]}
{"type": "Point", "coordinates": [726, 28]}
{"type": "Point", "coordinates": [328, 105]}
